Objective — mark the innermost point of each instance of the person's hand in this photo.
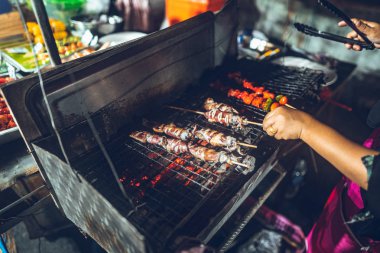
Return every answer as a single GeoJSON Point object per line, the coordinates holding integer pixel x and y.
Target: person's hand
{"type": "Point", "coordinates": [370, 29]}
{"type": "Point", "coordinates": [285, 123]}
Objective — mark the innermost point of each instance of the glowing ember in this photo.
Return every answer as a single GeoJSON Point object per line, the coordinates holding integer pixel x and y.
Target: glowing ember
{"type": "Point", "coordinates": [153, 156]}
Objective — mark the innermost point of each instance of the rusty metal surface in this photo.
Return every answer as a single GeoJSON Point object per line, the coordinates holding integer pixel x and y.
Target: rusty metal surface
{"type": "Point", "coordinates": [89, 210]}
{"type": "Point", "coordinates": [15, 161]}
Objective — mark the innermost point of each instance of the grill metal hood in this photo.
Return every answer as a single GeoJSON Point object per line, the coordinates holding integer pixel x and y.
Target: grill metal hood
{"type": "Point", "coordinates": [154, 65]}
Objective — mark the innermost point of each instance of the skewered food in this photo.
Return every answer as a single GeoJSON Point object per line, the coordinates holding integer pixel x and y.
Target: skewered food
{"type": "Point", "coordinates": [215, 138]}
{"type": "Point", "coordinates": [260, 97]}
{"type": "Point", "coordinates": [210, 104]}
{"type": "Point", "coordinates": [173, 131]}
{"type": "Point", "coordinates": [175, 146]}
{"type": "Point", "coordinates": [6, 119]}
{"type": "Point", "coordinates": [263, 100]}
{"type": "Point", "coordinates": [146, 137]}
{"type": "Point", "coordinates": [283, 100]}
{"type": "Point", "coordinates": [225, 118]}
{"type": "Point", "coordinates": [211, 155]}
{"type": "Point", "coordinates": [179, 147]}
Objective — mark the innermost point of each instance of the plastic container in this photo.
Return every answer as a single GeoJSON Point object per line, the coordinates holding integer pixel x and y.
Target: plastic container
{"type": "Point", "coordinates": [64, 9]}
{"type": "Point", "coordinates": [180, 10]}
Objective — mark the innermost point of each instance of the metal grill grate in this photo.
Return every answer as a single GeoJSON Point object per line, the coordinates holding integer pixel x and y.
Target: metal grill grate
{"type": "Point", "coordinates": [167, 189]}
{"type": "Point", "coordinates": [293, 82]}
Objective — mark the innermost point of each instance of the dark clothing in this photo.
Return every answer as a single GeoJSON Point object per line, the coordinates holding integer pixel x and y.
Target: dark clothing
{"type": "Point", "coordinates": [369, 219]}
{"type": "Point", "coordinates": [350, 221]}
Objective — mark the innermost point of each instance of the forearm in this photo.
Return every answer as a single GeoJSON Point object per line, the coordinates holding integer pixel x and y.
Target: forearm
{"type": "Point", "coordinates": [344, 154]}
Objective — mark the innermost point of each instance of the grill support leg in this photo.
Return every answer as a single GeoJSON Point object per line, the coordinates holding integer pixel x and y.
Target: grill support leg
{"type": "Point", "coordinates": [248, 217]}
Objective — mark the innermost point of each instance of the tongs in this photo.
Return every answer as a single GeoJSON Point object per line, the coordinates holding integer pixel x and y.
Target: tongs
{"type": "Point", "coordinates": [366, 44]}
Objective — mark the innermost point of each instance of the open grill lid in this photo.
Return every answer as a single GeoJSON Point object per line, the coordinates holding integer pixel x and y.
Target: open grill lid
{"type": "Point", "coordinates": [92, 84]}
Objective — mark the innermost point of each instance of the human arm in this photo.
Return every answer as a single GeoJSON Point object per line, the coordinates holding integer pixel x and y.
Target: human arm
{"type": "Point", "coordinates": [344, 154]}
{"type": "Point", "coordinates": [370, 29]}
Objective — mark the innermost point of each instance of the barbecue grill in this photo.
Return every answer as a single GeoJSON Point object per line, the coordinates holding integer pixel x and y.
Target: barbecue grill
{"type": "Point", "coordinates": [137, 197]}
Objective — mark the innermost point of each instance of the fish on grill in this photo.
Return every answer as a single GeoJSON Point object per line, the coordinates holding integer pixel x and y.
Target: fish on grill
{"type": "Point", "coordinates": [210, 104]}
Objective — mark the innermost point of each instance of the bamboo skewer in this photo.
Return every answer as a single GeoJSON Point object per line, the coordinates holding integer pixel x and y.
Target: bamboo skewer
{"type": "Point", "coordinates": [202, 113]}
{"type": "Point", "coordinates": [185, 110]}
{"type": "Point", "coordinates": [246, 145]}
{"type": "Point", "coordinates": [188, 151]}
{"type": "Point", "coordinates": [254, 123]}
{"type": "Point", "coordinates": [240, 164]}
{"type": "Point", "coordinates": [238, 143]}
{"type": "Point", "coordinates": [289, 106]}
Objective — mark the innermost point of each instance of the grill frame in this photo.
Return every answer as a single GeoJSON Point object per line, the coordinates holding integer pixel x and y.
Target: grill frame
{"type": "Point", "coordinates": [92, 208]}
{"type": "Point", "coordinates": [234, 196]}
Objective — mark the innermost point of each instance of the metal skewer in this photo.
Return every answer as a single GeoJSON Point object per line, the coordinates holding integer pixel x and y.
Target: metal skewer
{"type": "Point", "coordinates": [246, 145]}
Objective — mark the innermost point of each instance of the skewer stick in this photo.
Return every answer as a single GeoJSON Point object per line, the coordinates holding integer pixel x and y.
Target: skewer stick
{"type": "Point", "coordinates": [202, 113]}
{"type": "Point", "coordinates": [240, 164]}
{"type": "Point", "coordinates": [288, 105]}
{"type": "Point", "coordinates": [246, 145]}
{"type": "Point", "coordinates": [185, 110]}
{"type": "Point", "coordinates": [254, 123]}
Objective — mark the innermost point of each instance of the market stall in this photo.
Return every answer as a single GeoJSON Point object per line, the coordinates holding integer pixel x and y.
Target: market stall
{"type": "Point", "coordinates": [155, 143]}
